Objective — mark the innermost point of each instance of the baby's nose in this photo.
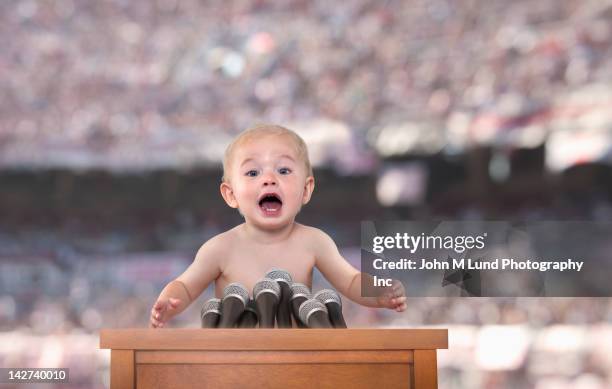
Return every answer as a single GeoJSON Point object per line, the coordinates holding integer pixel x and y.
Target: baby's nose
{"type": "Point", "coordinates": [269, 179]}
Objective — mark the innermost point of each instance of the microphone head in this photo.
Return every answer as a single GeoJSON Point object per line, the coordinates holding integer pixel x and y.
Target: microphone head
{"type": "Point", "coordinates": [279, 275]}
{"type": "Point", "coordinates": [266, 285]}
{"type": "Point", "coordinates": [300, 290]}
{"type": "Point", "coordinates": [212, 305]}
{"type": "Point", "coordinates": [236, 289]}
{"type": "Point", "coordinates": [308, 307]}
{"type": "Point", "coordinates": [328, 296]}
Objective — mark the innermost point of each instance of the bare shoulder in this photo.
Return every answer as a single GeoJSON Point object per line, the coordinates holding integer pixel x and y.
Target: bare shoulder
{"type": "Point", "coordinates": [218, 245]}
{"type": "Point", "coordinates": [314, 236]}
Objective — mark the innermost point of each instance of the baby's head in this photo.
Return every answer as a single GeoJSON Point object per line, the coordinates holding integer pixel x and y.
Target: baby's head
{"type": "Point", "coordinates": [267, 175]}
{"type": "Point", "coordinates": [260, 131]}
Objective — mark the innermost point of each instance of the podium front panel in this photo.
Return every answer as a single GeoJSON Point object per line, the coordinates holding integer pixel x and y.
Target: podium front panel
{"type": "Point", "coordinates": [256, 376]}
{"type": "Point", "coordinates": [273, 358]}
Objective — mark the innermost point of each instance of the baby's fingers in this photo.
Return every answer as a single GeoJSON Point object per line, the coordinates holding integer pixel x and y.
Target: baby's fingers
{"type": "Point", "coordinates": [159, 306]}
{"type": "Point", "coordinates": [154, 323]}
{"type": "Point", "coordinates": [157, 313]}
{"type": "Point", "coordinates": [398, 303]}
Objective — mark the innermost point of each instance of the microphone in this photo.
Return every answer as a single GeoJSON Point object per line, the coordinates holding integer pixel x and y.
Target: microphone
{"type": "Point", "coordinates": [333, 303]}
{"type": "Point", "coordinates": [283, 312]}
{"type": "Point", "coordinates": [266, 294]}
{"type": "Point", "coordinates": [314, 314]}
{"type": "Point", "coordinates": [235, 298]}
{"type": "Point", "coordinates": [249, 316]}
{"type": "Point", "coordinates": [299, 294]}
{"type": "Point", "coordinates": [211, 311]}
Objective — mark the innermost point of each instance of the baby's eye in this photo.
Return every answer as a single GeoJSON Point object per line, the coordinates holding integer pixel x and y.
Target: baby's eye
{"type": "Point", "coordinates": [251, 173]}
{"type": "Point", "coordinates": [284, 170]}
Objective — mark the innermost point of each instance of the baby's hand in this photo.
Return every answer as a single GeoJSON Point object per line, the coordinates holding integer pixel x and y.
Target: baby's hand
{"type": "Point", "coordinates": [162, 311]}
{"type": "Point", "coordinates": [394, 297]}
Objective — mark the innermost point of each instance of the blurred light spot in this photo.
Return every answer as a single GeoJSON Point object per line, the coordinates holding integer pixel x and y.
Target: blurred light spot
{"type": "Point", "coordinates": [502, 347]}
{"type": "Point", "coordinates": [499, 167]}
{"type": "Point", "coordinates": [510, 104]}
{"type": "Point", "coordinates": [407, 138]}
{"type": "Point", "coordinates": [233, 64]}
{"type": "Point", "coordinates": [567, 148]}
{"type": "Point", "coordinates": [588, 381]}
{"type": "Point", "coordinates": [261, 43]}
{"type": "Point", "coordinates": [215, 57]}
{"type": "Point", "coordinates": [561, 338]}
{"type": "Point", "coordinates": [530, 136]}
{"type": "Point", "coordinates": [51, 354]}
{"type": "Point", "coordinates": [403, 185]}
{"type": "Point", "coordinates": [323, 137]}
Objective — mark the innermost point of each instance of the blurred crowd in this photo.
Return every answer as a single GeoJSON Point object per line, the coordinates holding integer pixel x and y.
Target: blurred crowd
{"type": "Point", "coordinates": [51, 314]}
{"type": "Point", "coordinates": [123, 84]}
{"type": "Point", "coordinates": [51, 317]}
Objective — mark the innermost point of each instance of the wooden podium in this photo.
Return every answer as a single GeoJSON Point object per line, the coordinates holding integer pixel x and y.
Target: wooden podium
{"type": "Point", "coordinates": [273, 358]}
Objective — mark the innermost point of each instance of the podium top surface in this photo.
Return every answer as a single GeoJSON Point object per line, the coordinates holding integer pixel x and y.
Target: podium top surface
{"type": "Point", "coordinates": [273, 339]}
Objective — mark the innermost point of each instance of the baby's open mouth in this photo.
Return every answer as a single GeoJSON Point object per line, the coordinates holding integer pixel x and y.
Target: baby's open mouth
{"type": "Point", "coordinates": [270, 204]}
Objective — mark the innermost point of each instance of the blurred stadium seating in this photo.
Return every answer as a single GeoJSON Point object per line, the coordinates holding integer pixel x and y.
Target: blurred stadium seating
{"type": "Point", "coordinates": [114, 116]}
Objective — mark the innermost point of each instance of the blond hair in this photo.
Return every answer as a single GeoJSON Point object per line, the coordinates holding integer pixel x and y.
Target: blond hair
{"type": "Point", "coordinates": [265, 129]}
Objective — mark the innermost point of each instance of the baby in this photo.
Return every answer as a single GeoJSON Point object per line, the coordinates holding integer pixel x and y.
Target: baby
{"type": "Point", "coordinates": [267, 176]}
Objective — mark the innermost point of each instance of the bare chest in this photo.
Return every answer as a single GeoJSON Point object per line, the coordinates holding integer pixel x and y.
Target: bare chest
{"type": "Point", "coordinates": [250, 264]}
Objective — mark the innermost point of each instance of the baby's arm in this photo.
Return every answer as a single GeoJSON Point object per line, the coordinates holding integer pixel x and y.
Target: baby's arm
{"type": "Point", "coordinates": [347, 280]}
{"type": "Point", "coordinates": [179, 293]}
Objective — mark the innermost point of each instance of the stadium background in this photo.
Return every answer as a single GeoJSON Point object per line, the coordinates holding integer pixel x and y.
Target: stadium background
{"type": "Point", "coordinates": [114, 116]}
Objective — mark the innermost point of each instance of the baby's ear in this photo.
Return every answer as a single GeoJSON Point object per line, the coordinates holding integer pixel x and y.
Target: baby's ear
{"type": "Point", "coordinates": [308, 188]}
{"type": "Point", "coordinates": [228, 194]}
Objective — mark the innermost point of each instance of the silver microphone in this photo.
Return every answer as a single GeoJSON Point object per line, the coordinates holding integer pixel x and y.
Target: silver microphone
{"type": "Point", "coordinates": [266, 294]}
{"type": "Point", "coordinates": [314, 314]}
{"type": "Point", "coordinates": [332, 301]}
{"type": "Point", "coordinates": [211, 311]}
{"type": "Point", "coordinates": [299, 294]}
{"type": "Point", "coordinates": [283, 310]}
{"type": "Point", "coordinates": [235, 299]}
